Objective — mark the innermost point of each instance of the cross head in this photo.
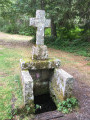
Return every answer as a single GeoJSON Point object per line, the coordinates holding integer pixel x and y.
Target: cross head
{"type": "Point", "coordinates": [41, 23]}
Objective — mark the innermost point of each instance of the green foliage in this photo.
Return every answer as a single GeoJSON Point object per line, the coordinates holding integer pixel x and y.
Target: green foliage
{"type": "Point", "coordinates": [28, 108]}
{"type": "Point", "coordinates": [68, 106]}
{"type": "Point", "coordinates": [48, 32]}
{"type": "Point", "coordinates": [71, 34]}
{"type": "Point", "coordinates": [25, 30]}
{"type": "Point", "coordinates": [19, 27]}
{"type": "Point", "coordinates": [64, 14]}
{"type": "Point", "coordinates": [37, 107]}
{"type": "Point", "coordinates": [10, 29]}
{"type": "Point", "coordinates": [23, 110]}
{"type": "Point", "coordinates": [88, 63]}
{"type": "Point", "coordinates": [77, 46]}
{"type": "Point", "coordinates": [71, 21]}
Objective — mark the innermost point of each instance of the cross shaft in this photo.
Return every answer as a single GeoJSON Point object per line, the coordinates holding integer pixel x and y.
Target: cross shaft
{"type": "Point", "coordinates": [41, 23]}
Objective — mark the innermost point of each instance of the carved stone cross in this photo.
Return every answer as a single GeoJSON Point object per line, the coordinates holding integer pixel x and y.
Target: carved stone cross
{"type": "Point", "coordinates": [41, 23]}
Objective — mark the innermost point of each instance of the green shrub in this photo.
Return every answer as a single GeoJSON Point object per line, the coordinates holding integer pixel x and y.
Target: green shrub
{"type": "Point", "coordinates": [69, 33]}
{"type": "Point", "coordinates": [48, 32]}
{"type": "Point", "coordinates": [26, 30]}
{"type": "Point", "coordinates": [77, 46]}
{"type": "Point", "coordinates": [68, 106]}
{"type": "Point", "coordinates": [49, 40]}
{"type": "Point", "coordinates": [9, 28]}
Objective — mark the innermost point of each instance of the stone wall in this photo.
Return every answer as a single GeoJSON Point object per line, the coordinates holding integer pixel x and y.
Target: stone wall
{"type": "Point", "coordinates": [41, 80]}
{"type": "Point", "coordinates": [27, 83]}
{"type": "Point", "coordinates": [61, 85]}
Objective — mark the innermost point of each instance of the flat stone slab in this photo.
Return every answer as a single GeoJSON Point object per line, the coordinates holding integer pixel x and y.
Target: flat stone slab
{"type": "Point", "coordinates": [29, 64]}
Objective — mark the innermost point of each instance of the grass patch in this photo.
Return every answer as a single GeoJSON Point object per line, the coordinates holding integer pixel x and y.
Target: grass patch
{"type": "Point", "coordinates": [88, 63]}
{"type": "Point", "coordinates": [5, 102]}
{"type": "Point", "coordinates": [10, 84]}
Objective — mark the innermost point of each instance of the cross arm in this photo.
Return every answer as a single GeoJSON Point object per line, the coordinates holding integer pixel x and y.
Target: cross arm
{"type": "Point", "coordinates": [32, 22]}
{"type": "Point", "coordinates": [47, 23]}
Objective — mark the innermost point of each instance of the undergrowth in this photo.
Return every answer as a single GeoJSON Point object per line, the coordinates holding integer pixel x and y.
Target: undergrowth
{"type": "Point", "coordinates": [78, 46]}
{"type": "Point", "coordinates": [68, 106]}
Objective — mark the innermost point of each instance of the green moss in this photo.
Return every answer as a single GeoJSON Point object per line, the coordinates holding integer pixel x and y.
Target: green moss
{"type": "Point", "coordinates": [39, 48]}
{"type": "Point", "coordinates": [38, 64]}
{"type": "Point", "coordinates": [44, 64]}
{"type": "Point", "coordinates": [35, 56]}
{"type": "Point", "coordinates": [27, 60]}
{"type": "Point", "coordinates": [62, 82]}
{"type": "Point", "coordinates": [58, 95]}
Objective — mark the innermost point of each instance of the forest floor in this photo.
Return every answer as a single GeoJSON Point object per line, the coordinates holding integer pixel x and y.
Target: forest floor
{"type": "Point", "coordinates": [14, 47]}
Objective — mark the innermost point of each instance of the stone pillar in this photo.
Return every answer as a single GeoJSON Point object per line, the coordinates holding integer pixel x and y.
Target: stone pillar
{"type": "Point", "coordinates": [27, 82]}
{"type": "Point", "coordinates": [39, 52]}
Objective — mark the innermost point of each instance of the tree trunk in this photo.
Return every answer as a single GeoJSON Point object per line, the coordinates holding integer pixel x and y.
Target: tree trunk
{"type": "Point", "coordinates": [53, 28]}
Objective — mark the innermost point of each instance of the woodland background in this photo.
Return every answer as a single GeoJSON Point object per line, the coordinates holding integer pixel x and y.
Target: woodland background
{"type": "Point", "coordinates": [70, 27]}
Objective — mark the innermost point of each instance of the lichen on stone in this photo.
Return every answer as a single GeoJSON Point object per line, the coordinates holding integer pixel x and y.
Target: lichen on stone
{"type": "Point", "coordinates": [40, 64]}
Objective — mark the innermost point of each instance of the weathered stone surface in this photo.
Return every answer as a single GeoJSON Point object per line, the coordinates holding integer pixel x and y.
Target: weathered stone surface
{"type": "Point", "coordinates": [40, 22]}
{"type": "Point", "coordinates": [61, 85]}
{"type": "Point", "coordinates": [39, 52]}
{"type": "Point", "coordinates": [41, 80]}
{"type": "Point", "coordinates": [27, 82]}
{"type": "Point", "coordinates": [41, 88]}
{"type": "Point", "coordinates": [30, 64]}
{"type": "Point", "coordinates": [40, 74]}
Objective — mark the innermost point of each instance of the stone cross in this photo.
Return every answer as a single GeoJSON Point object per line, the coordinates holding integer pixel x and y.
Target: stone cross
{"type": "Point", "coordinates": [41, 23]}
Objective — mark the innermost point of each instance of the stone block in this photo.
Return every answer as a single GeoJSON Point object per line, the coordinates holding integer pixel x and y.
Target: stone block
{"type": "Point", "coordinates": [27, 83]}
{"type": "Point", "coordinates": [61, 85]}
{"type": "Point", "coordinates": [39, 52]}
{"type": "Point", "coordinates": [29, 64]}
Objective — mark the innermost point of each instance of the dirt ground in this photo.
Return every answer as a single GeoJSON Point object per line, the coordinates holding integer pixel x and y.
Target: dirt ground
{"type": "Point", "coordinates": [76, 66]}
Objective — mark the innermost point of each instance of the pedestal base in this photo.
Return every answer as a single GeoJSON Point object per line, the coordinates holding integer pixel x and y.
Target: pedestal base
{"type": "Point", "coordinates": [39, 52]}
{"type": "Point", "coordinates": [29, 64]}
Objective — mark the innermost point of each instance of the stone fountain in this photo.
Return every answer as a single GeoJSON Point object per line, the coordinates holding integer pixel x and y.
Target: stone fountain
{"type": "Point", "coordinates": [41, 74]}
